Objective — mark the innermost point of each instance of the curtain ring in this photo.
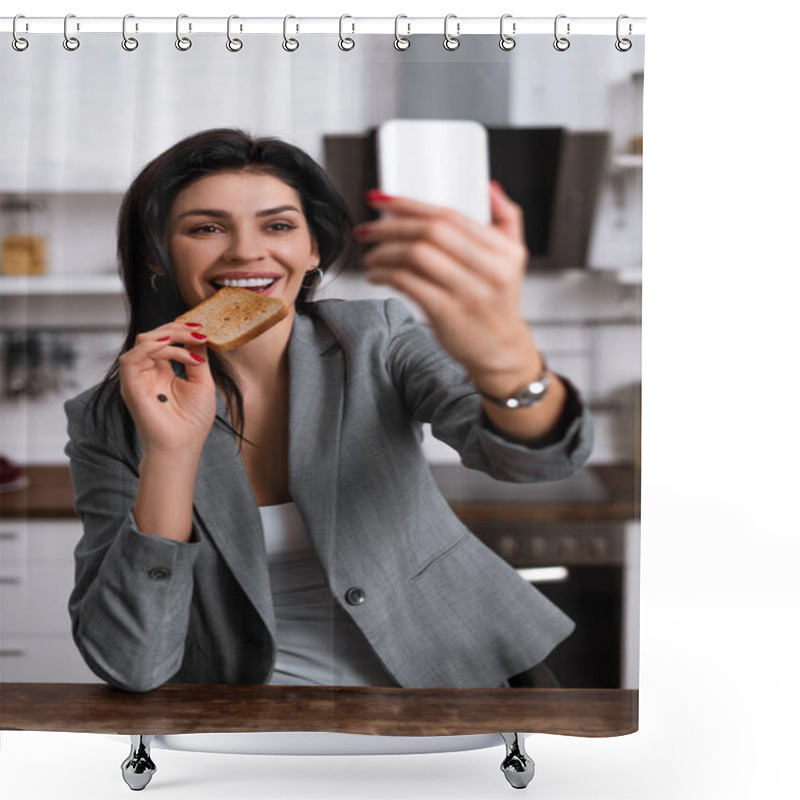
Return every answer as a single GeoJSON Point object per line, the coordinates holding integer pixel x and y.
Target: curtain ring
{"type": "Point", "coordinates": [506, 42]}
{"type": "Point", "coordinates": [128, 42]}
{"type": "Point", "coordinates": [234, 45]}
{"type": "Point", "coordinates": [182, 42]}
{"type": "Point", "coordinates": [70, 42]}
{"type": "Point", "coordinates": [561, 43]}
{"type": "Point", "coordinates": [451, 42]}
{"type": "Point", "coordinates": [623, 45]}
{"type": "Point", "coordinates": [400, 42]}
{"type": "Point", "coordinates": [18, 43]}
{"type": "Point", "coordinates": [289, 45]}
{"type": "Point", "coordinates": [346, 43]}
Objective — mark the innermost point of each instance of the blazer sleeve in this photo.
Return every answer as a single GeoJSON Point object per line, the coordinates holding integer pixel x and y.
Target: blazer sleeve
{"type": "Point", "coordinates": [131, 600]}
{"type": "Point", "coordinates": [437, 390]}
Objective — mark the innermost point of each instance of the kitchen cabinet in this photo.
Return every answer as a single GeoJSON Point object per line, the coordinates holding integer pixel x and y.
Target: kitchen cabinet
{"type": "Point", "coordinates": [585, 525]}
{"type": "Point", "coordinates": [36, 575]}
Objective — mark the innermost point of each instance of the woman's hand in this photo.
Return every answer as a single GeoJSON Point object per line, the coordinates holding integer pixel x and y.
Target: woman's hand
{"type": "Point", "coordinates": [172, 415]}
{"type": "Point", "coordinates": [466, 277]}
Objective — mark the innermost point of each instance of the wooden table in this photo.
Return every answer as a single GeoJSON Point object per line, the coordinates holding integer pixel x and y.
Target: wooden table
{"type": "Point", "coordinates": [50, 495]}
{"type": "Point", "coordinates": [96, 708]}
{"type": "Point", "coordinates": [173, 709]}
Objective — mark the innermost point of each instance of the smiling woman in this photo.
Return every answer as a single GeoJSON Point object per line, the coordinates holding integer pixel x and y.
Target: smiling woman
{"type": "Point", "coordinates": [240, 229]}
{"type": "Point", "coordinates": [275, 520]}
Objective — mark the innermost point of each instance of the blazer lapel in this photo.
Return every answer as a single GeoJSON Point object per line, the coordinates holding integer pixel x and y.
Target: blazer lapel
{"type": "Point", "coordinates": [316, 375]}
{"type": "Point", "coordinates": [226, 509]}
{"type": "Point", "coordinates": [224, 504]}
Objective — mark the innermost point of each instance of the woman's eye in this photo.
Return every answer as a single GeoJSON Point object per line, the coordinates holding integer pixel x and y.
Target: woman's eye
{"type": "Point", "coordinates": [280, 226]}
{"type": "Point", "coordinates": [206, 228]}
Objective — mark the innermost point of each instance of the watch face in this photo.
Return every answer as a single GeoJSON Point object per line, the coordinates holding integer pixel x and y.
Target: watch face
{"type": "Point", "coordinates": [528, 396]}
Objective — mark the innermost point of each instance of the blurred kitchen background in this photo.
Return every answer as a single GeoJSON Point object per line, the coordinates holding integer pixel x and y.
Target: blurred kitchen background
{"type": "Point", "coordinates": [566, 142]}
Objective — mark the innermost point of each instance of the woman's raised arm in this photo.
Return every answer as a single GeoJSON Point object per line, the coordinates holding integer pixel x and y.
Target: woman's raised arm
{"type": "Point", "coordinates": [467, 278]}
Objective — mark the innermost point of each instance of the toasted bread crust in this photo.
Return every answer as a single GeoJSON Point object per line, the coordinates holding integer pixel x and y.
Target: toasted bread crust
{"type": "Point", "coordinates": [233, 316]}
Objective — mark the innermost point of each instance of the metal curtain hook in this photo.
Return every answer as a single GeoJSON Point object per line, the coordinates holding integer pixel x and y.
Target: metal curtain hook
{"type": "Point", "coordinates": [128, 42]}
{"type": "Point", "coordinates": [561, 43]}
{"type": "Point", "coordinates": [290, 45]}
{"type": "Point", "coordinates": [18, 43]}
{"type": "Point", "coordinates": [451, 42]}
{"type": "Point", "coordinates": [506, 42]}
{"type": "Point", "coordinates": [623, 45]}
{"type": "Point", "coordinates": [234, 45]}
{"type": "Point", "coordinates": [70, 42]}
{"type": "Point", "coordinates": [182, 42]}
{"type": "Point", "coordinates": [346, 43]}
{"type": "Point", "coordinates": [400, 42]}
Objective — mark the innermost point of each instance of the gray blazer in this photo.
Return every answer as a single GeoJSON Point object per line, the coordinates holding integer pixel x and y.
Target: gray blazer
{"type": "Point", "coordinates": [438, 608]}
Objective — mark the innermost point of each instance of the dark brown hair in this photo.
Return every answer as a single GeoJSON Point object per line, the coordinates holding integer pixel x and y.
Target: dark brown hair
{"type": "Point", "coordinates": [142, 245]}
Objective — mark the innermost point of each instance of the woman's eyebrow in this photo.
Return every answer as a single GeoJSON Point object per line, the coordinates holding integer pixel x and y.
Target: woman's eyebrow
{"type": "Point", "coordinates": [215, 212]}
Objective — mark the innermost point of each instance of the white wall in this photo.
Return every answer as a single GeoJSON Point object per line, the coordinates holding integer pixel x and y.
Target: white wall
{"type": "Point", "coordinates": [78, 126]}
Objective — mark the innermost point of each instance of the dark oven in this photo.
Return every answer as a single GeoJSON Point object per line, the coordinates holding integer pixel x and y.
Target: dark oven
{"type": "Point", "coordinates": [590, 571]}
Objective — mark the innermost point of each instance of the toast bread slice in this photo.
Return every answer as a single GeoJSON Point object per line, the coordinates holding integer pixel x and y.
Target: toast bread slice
{"type": "Point", "coordinates": [232, 316]}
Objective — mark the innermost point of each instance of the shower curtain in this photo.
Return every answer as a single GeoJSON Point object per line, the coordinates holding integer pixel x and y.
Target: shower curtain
{"type": "Point", "coordinates": [562, 119]}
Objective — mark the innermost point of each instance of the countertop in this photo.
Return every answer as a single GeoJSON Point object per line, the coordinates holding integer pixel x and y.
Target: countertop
{"type": "Point", "coordinates": [597, 493]}
{"type": "Point", "coordinates": [380, 711]}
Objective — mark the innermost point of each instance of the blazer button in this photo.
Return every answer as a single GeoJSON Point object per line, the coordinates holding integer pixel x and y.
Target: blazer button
{"type": "Point", "coordinates": [158, 574]}
{"type": "Point", "coordinates": [355, 596]}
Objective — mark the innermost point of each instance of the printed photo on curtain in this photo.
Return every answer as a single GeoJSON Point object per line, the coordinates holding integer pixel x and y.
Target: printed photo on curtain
{"type": "Point", "coordinates": [321, 363]}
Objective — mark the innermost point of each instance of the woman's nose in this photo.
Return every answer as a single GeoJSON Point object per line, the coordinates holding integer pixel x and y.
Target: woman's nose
{"type": "Point", "coordinates": [245, 245]}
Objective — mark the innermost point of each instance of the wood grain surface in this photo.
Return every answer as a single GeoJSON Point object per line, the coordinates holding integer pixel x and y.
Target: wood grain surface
{"type": "Point", "coordinates": [96, 708]}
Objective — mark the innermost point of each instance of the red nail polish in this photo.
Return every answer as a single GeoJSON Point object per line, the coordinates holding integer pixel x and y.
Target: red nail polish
{"type": "Point", "coordinates": [194, 324]}
{"type": "Point", "coordinates": [362, 230]}
{"type": "Point", "coordinates": [197, 358]}
{"type": "Point", "coordinates": [163, 339]}
{"type": "Point", "coordinates": [199, 335]}
{"type": "Point", "coordinates": [377, 196]}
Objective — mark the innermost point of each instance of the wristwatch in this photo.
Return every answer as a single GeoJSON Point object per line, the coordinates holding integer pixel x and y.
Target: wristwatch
{"type": "Point", "coordinates": [530, 394]}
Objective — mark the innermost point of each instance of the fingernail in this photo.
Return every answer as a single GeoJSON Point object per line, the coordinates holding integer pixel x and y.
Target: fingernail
{"type": "Point", "coordinates": [163, 339]}
{"type": "Point", "coordinates": [362, 230]}
{"type": "Point", "coordinates": [377, 196]}
{"type": "Point", "coordinates": [194, 324]}
{"type": "Point", "coordinates": [199, 335]}
{"type": "Point", "coordinates": [497, 186]}
{"type": "Point", "coordinates": [197, 358]}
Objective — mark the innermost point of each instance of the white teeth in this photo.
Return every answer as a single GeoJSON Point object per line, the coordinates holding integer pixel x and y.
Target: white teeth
{"type": "Point", "coordinates": [246, 283]}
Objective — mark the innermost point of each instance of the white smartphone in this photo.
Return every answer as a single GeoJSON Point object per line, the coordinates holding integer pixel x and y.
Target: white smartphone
{"type": "Point", "coordinates": [443, 162]}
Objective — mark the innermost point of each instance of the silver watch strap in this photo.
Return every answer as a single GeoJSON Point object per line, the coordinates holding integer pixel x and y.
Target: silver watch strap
{"type": "Point", "coordinates": [527, 395]}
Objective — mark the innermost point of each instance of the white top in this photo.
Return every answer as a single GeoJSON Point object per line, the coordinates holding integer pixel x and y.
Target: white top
{"type": "Point", "coordinates": [318, 642]}
{"type": "Point", "coordinates": [284, 531]}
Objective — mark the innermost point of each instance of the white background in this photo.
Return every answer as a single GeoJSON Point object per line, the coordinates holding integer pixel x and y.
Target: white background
{"type": "Point", "coordinates": [720, 553]}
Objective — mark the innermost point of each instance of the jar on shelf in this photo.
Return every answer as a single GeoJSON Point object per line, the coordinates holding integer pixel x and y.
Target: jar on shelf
{"type": "Point", "coordinates": [23, 248]}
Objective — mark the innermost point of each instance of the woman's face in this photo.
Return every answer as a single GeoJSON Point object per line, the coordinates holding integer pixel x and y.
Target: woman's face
{"type": "Point", "coordinates": [240, 228]}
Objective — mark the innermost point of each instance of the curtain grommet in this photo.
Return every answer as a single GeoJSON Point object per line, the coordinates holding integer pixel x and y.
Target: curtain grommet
{"type": "Point", "coordinates": [346, 43]}
{"type": "Point", "coordinates": [451, 42]}
{"type": "Point", "coordinates": [401, 43]}
{"type": "Point", "coordinates": [623, 45]}
{"type": "Point", "coordinates": [183, 43]}
{"type": "Point", "coordinates": [129, 43]}
{"type": "Point", "coordinates": [70, 43]}
{"type": "Point", "coordinates": [561, 43]}
{"type": "Point", "coordinates": [234, 45]}
{"type": "Point", "coordinates": [507, 42]}
{"type": "Point", "coordinates": [289, 44]}
{"type": "Point", "coordinates": [18, 42]}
